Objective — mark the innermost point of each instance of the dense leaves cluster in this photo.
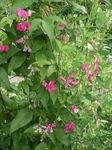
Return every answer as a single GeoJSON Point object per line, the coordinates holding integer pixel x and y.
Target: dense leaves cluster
{"type": "Point", "coordinates": [55, 75]}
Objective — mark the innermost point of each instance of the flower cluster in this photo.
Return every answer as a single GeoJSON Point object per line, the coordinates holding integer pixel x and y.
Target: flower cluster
{"type": "Point", "coordinates": [86, 66]}
{"type": "Point", "coordinates": [4, 48]}
{"type": "Point", "coordinates": [49, 127]}
{"type": "Point", "coordinates": [23, 27]}
{"type": "Point", "coordinates": [74, 108]}
{"type": "Point", "coordinates": [70, 81]}
{"type": "Point", "coordinates": [49, 87]}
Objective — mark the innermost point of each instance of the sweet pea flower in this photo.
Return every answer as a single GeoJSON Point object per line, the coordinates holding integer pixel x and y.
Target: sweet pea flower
{"type": "Point", "coordinates": [49, 87]}
{"type": "Point", "coordinates": [60, 26]}
{"type": "Point", "coordinates": [96, 65]}
{"type": "Point", "coordinates": [85, 67]}
{"type": "Point", "coordinates": [27, 48]}
{"type": "Point", "coordinates": [72, 75]}
{"type": "Point", "coordinates": [63, 79]}
{"type": "Point", "coordinates": [67, 85]}
{"type": "Point", "coordinates": [4, 48]}
{"type": "Point", "coordinates": [75, 82]}
{"type": "Point", "coordinates": [22, 40]}
{"type": "Point", "coordinates": [22, 13]}
{"type": "Point", "coordinates": [89, 75]}
{"type": "Point", "coordinates": [74, 108]}
{"type": "Point", "coordinates": [69, 127]}
{"type": "Point", "coordinates": [23, 26]}
{"type": "Point", "coordinates": [49, 127]}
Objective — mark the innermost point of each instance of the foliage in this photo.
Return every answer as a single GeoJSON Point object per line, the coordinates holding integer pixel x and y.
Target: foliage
{"type": "Point", "coordinates": [63, 35]}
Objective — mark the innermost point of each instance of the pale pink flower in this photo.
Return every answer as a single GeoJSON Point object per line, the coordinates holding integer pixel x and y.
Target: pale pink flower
{"type": "Point", "coordinates": [63, 79]}
{"type": "Point", "coordinates": [89, 75]}
{"type": "Point", "coordinates": [22, 13]}
{"type": "Point", "coordinates": [61, 26]}
{"type": "Point", "coordinates": [4, 48]}
{"type": "Point", "coordinates": [25, 37]}
{"type": "Point", "coordinates": [72, 75]}
{"type": "Point", "coordinates": [74, 108]}
{"type": "Point", "coordinates": [75, 82]}
{"type": "Point", "coordinates": [44, 84]}
{"type": "Point", "coordinates": [49, 127]}
{"type": "Point", "coordinates": [96, 65]}
{"type": "Point", "coordinates": [23, 26]}
{"type": "Point", "coordinates": [69, 127]}
{"type": "Point", "coordinates": [20, 41]}
{"type": "Point", "coordinates": [29, 13]}
{"type": "Point", "coordinates": [85, 67]}
{"type": "Point", "coordinates": [27, 48]}
{"type": "Point", "coordinates": [51, 87]}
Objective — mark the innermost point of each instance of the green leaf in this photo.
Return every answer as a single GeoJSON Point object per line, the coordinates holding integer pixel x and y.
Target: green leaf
{"type": "Point", "coordinates": [41, 59]}
{"type": "Point", "coordinates": [35, 24]}
{"type": "Point", "coordinates": [51, 70]}
{"type": "Point", "coordinates": [61, 136]}
{"type": "Point", "coordinates": [4, 78]}
{"type": "Point", "coordinates": [12, 51]}
{"type": "Point", "coordinates": [48, 28]}
{"type": "Point", "coordinates": [79, 8]}
{"type": "Point", "coordinates": [54, 96]}
{"type": "Point", "coordinates": [21, 4]}
{"type": "Point", "coordinates": [16, 61]}
{"type": "Point", "coordinates": [41, 146]}
{"type": "Point", "coordinates": [23, 117]}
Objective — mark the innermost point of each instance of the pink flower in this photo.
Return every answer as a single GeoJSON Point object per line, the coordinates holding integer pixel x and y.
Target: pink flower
{"type": "Point", "coordinates": [20, 41]}
{"type": "Point", "coordinates": [69, 81]}
{"type": "Point", "coordinates": [75, 82]}
{"type": "Point", "coordinates": [44, 84]}
{"type": "Point", "coordinates": [72, 75]}
{"type": "Point", "coordinates": [29, 13]}
{"type": "Point", "coordinates": [49, 127]}
{"type": "Point", "coordinates": [22, 13]}
{"type": "Point", "coordinates": [25, 37]}
{"type": "Point", "coordinates": [74, 108]}
{"type": "Point", "coordinates": [49, 87]}
{"type": "Point", "coordinates": [4, 48]}
{"type": "Point", "coordinates": [96, 65]}
{"type": "Point", "coordinates": [85, 67]}
{"type": "Point", "coordinates": [69, 127]}
{"type": "Point", "coordinates": [67, 85]}
{"type": "Point", "coordinates": [63, 79]}
{"type": "Point", "coordinates": [61, 26]}
{"type": "Point", "coordinates": [23, 26]}
{"type": "Point", "coordinates": [89, 75]}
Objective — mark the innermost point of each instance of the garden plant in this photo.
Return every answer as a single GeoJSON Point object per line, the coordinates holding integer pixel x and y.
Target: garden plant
{"type": "Point", "coordinates": [55, 74]}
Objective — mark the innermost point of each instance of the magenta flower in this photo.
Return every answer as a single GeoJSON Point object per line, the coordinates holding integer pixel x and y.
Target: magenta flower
{"type": "Point", "coordinates": [69, 127]}
{"type": "Point", "coordinates": [67, 85]}
{"type": "Point", "coordinates": [23, 26]}
{"type": "Point", "coordinates": [49, 127]}
{"type": "Point", "coordinates": [74, 108]}
{"type": "Point", "coordinates": [49, 87]}
{"type": "Point", "coordinates": [63, 79]}
{"type": "Point", "coordinates": [69, 81]}
{"type": "Point", "coordinates": [4, 48]}
{"type": "Point", "coordinates": [96, 65]}
{"type": "Point", "coordinates": [75, 82]}
{"type": "Point", "coordinates": [85, 67]}
{"type": "Point", "coordinates": [22, 13]}
{"type": "Point", "coordinates": [89, 75]}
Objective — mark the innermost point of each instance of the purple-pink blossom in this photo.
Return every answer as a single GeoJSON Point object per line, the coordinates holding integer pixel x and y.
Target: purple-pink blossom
{"type": "Point", "coordinates": [49, 127]}
{"type": "Point", "coordinates": [74, 108]}
{"type": "Point", "coordinates": [23, 13]}
{"type": "Point", "coordinates": [75, 82]}
{"type": "Point", "coordinates": [4, 48]}
{"type": "Point", "coordinates": [89, 75]}
{"type": "Point", "coordinates": [85, 67]}
{"type": "Point", "coordinates": [49, 87]}
{"type": "Point", "coordinates": [69, 127]}
{"type": "Point", "coordinates": [23, 26]}
{"type": "Point", "coordinates": [22, 40]}
{"type": "Point", "coordinates": [63, 79]}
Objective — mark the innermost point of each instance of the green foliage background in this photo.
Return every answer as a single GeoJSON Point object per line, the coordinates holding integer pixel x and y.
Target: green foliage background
{"type": "Point", "coordinates": [87, 34]}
